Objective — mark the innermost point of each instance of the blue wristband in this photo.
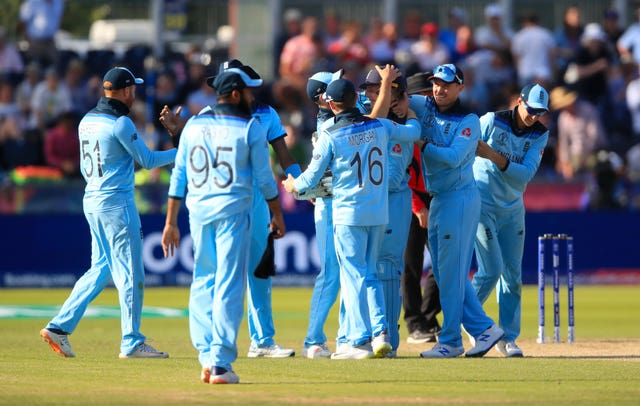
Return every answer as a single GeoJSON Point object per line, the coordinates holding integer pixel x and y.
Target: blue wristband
{"type": "Point", "coordinates": [293, 170]}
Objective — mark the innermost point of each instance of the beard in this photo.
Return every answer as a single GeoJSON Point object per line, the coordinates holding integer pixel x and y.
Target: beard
{"type": "Point", "coordinates": [244, 105]}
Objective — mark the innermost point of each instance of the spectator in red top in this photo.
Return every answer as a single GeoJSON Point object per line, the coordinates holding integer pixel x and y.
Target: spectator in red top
{"type": "Point", "coordinates": [61, 145]}
{"type": "Point", "coordinates": [350, 51]}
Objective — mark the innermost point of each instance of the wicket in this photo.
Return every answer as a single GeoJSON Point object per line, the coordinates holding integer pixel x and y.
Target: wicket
{"type": "Point", "coordinates": [555, 261]}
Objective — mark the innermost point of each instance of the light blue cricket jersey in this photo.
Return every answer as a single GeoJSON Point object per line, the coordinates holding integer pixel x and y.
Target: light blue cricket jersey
{"type": "Point", "coordinates": [452, 140]}
{"type": "Point", "coordinates": [109, 144]}
{"type": "Point", "coordinates": [355, 149]}
{"type": "Point", "coordinates": [221, 152]}
{"type": "Point", "coordinates": [523, 149]}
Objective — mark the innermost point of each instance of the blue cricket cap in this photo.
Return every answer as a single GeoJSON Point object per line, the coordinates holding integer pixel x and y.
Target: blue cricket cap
{"type": "Point", "coordinates": [535, 97]}
{"type": "Point", "coordinates": [232, 79]}
{"type": "Point", "coordinates": [249, 76]}
{"type": "Point", "coordinates": [119, 78]}
{"type": "Point", "coordinates": [450, 73]}
{"type": "Point", "coordinates": [339, 89]}
{"type": "Point", "coordinates": [317, 84]}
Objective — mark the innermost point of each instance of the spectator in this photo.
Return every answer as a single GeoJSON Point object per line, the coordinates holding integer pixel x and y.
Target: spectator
{"type": "Point", "coordinates": [593, 61]}
{"type": "Point", "coordinates": [580, 132]}
{"type": "Point", "coordinates": [533, 47]}
{"type": "Point", "coordinates": [300, 54]}
{"type": "Point", "coordinates": [604, 189]}
{"type": "Point", "coordinates": [350, 52]}
{"type": "Point", "coordinates": [568, 37]}
{"type": "Point", "coordinates": [465, 44]}
{"type": "Point", "coordinates": [200, 98]}
{"type": "Point", "coordinates": [457, 17]}
{"type": "Point", "coordinates": [383, 50]}
{"type": "Point", "coordinates": [84, 93]}
{"type": "Point", "coordinates": [429, 51]}
{"type": "Point", "coordinates": [50, 99]}
{"type": "Point", "coordinates": [629, 42]}
{"type": "Point", "coordinates": [39, 21]}
{"type": "Point", "coordinates": [494, 35]}
{"type": "Point", "coordinates": [611, 27]}
{"type": "Point", "coordinates": [633, 103]}
{"type": "Point", "coordinates": [25, 88]}
{"type": "Point", "coordinates": [331, 27]}
{"type": "Point", "coordinates": [62, 147]}
{"type": "Point", "coordinates": [292, 26]}
{"type": "Point", "coordinates": [11, 65]}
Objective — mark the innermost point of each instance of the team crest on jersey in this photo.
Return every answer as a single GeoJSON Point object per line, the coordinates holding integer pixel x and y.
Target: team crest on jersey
{"type": "Point", "coordinates": [466, 132]}
{"type": "Point", "coordinates": [430, 120]}
{"type": "Point", "coordinates": [317, 156]}
{"type": "Point", "coordinates": [526, 147]}
{"type": "Point", "coordinates": [501, 139]}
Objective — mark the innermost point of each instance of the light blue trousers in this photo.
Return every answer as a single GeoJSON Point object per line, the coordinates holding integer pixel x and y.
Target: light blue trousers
{"type": "Point", "coordinates": [391, 259]}
{"type": "Point", "coordinates": [216, 301]}
{"type": "Point", "coordinates": [358, 248]}
{"type": "Point", "coordinates": [327, 284]}
{"type": "Point", "coordinates": [499, 248]}
{"type": "Point", "coordinates": [116, 253]}
{"type": "Point", "coordinates": [453, 221]}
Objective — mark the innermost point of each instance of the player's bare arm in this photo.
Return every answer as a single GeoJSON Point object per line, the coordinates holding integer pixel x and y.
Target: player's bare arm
{"type": "Point", "coordinates": [277, 225]}
{"type": "Point", "coordinates": [171, 232]}
{"type": "Point", "coordinates": [288, 184]}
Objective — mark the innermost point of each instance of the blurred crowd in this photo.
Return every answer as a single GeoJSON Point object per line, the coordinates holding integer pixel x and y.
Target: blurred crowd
{"type": "Point", "coordinates": [589, 67]}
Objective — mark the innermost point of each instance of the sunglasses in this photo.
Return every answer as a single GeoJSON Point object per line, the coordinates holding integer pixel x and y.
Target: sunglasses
{"type": "Point", "coordinates": [448, 73]}
{"type": "Point", "coordinates": [533, 111]}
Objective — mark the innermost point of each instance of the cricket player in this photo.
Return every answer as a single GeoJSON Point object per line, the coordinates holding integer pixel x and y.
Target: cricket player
{"type": "Point", "coordinates": [451, 136]}
{"type": "Point", "coordinates": [394, 241]}
{"type": "Point", "coordinates": [355, 148]}
{"type": "Point", "coordinates": [508, 156]}
{"type": "Point", "coordinates": [259, 306]}
{"type": "Point", "coordinates": [223, 156]}
{"type": "Point", "coordinates": [109, 145]}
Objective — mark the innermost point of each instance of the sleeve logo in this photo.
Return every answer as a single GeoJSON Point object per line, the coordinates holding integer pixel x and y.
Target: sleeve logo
{"type": "Point", "coordinates": [466, 132]}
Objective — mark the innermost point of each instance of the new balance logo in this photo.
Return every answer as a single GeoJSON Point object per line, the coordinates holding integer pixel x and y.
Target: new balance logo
{"type": "Point", "coordinates": [483, 337]}
{"type": "Point", "coordinates": [443, 351]}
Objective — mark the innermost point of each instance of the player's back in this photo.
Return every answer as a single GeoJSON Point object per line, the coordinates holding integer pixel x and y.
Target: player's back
{"type": "Point", "coordinates": [105, 164]}
{"type": "Point", "coordinates": [217, 162]}
{"type": "Point", "coordinates": [359, 173]}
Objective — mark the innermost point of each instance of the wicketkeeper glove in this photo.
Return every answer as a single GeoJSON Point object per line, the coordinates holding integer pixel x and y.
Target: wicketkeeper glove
{"type": "Point", "coordinates": [323, 189]}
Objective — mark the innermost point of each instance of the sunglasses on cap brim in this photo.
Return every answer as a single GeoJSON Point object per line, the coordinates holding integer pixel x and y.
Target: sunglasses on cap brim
{"type": "Point", "coordinates": [533, 111]}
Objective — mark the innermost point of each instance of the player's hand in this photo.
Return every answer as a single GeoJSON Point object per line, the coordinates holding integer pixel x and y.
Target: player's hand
{"type": "Point", "coordinates": [388, 73]}
{"type": "Point", "coordinates": [277, 226]}
{"type": "Point", "coordinates": [288, 184]}
{"type": "Point", "coordinates": [483, 150]}
{"type": "Point", "coordinates": [170, 239]}
{"type": "Point", "coordinates": [172, 121]}
{"type": "Point", "coordinates": [423, 217]}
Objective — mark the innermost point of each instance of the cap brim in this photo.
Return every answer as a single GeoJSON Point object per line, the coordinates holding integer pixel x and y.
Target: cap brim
{"type": "Point", "coordinates": [443, 77]}
{"type": "Point", "coordinates": [248, 81]}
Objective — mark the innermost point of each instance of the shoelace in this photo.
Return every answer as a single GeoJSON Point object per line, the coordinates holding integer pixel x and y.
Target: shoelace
{"type": "Point", "coordinates": [144, 347]}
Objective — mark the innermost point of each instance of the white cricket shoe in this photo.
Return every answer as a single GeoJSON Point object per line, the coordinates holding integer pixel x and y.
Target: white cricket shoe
{"type": "Point", "coordinates": [316, 351]}
{"type": "Point", "coordinates": [144, 350]}
{"type": "Point", "coordinates": [345, 351]}
{"type": "Point", "coordinates": [269, 351]}
{"type": "Point", "coordinates": [485, 341]}
{"type": "Point", "coordinates": [509, 349]}
{"type": "Point", "coordinates": [58, 342]}
{"type": "Point", "coordinates": [442, 351]}
{"type": "Point", "coordinates": [226, 378]}
{"type": "Point", "coordinates": [381, 345]}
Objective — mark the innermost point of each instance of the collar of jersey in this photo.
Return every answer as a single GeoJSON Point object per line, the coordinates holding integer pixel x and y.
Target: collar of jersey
{"type": "Point", "coordinates": [112, 106]}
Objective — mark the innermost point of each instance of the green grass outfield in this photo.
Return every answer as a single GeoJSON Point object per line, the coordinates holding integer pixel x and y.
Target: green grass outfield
{"type": "Point", "coordinates": [602, 367]}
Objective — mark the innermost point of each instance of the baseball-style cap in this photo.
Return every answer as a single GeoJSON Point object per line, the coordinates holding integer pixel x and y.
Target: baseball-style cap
{"type": "Point", "coordinates": [536, 98]}
{"type": "Point", "coordinates": [317, 84]}
{"type": "Point", "coordinates": [429, 29]}
{"type": "Point", "coordinates": [373, 78]}
{"type": "Point", "coordinates": [249, 76]}
{"type": "Point", "coordinates": [232, 79]}
{"type": "Point", "coordinates": [119, 78]}
{"type": "Point", "coordinates": [339, 89]}
{"type": "Point", "coordinates": [419, 82]}
{"type": "Point", "coordinates": [450, 73]}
